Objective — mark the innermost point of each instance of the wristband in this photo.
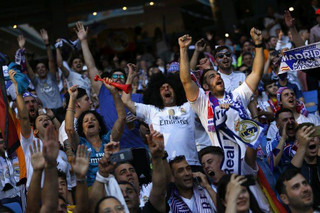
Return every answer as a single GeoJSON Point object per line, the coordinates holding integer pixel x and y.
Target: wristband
{"type": "Point", "coordinates": [81, 180]}
{"type": "Point", "coordinates": [101, 179]}
{"type": "Point", "coordinates": [258, 45]}
{"type": "Point", "coordinates": [53, 118]}
{"type": "Point", "coordinates": [72, 110]}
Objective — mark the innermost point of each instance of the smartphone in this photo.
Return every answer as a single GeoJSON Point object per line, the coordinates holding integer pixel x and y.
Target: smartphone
{"type": "Point", "coordinates": [250, 181]}
{"type": "Point", "coordinates": [317, 132]}
{"type": "Point", "coordinates": [197, 180]}
{"type": "Point", "coordinates": [122, 156]}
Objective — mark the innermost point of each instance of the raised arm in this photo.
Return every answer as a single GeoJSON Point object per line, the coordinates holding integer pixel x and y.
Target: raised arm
{"type": "Point", "coordinates": [126, 98]}
{"type": "Point", "coordinates": [159, 178]}
{"type": "Point", "coordinates": [93, 71]}
{"type": "Point", "coordinates": [98, 189]}
{"type": "Point", "coordinates": [45, 38]}
{"type": "Point", "coordinates": [258, 63]}
{"type": "Point", "coordinates": [34, 191]}
{"type": "Point", "coordinates": [22, 42]}
{"type": "Point", "coordinates": [50, 186]}
{"type": "Point", "coordinates": [199, 47]}
{"type": "Point", "coordinates": [64, 70]}
{"type": "Point", "coordinates": [280, 146]}
{"type": "Point", "coordinates": [290, 24]}
{"type": "Point", "coordinates": [118, 126]}
{"type": "Point", "coordinates": [190, 87]}
{"type": "Point", "coordinates": [303, 137]}
{"type": "Point", "coordinates": [73, 136]}
{"type": "Point", "coordinates": [80, 168]}
{"type": "Point", "coordinates": [22, 109]}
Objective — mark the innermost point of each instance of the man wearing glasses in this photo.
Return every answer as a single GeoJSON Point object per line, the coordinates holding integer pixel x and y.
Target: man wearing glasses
{"type": "Point", "coordinates": [223, 60]}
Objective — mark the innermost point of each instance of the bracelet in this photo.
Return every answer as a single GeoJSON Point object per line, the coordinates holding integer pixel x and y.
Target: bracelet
{"type": "Point", "coordinates": [101, 179]}
{"type": "Point", "coordinates": [82, 180]}
{"type": "Point", "coordinates": [72, 110]}
{"type": "Point", "coordinates": [53, 118]}
{"type": "Point", "coordinates": [258, 45]}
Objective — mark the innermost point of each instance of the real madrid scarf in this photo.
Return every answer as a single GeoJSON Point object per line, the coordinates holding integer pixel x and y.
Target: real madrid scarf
{"type": "Point", "coordinates": [177, 205]}
{"type": "Point", "coordinates": [234, 128]}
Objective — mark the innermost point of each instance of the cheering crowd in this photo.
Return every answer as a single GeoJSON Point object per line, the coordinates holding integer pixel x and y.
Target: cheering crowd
{"type": "Point", "coordinates": [209, 126]}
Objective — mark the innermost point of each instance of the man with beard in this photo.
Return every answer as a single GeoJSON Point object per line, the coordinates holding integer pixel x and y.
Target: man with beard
{"type": "Point", "coordinates": [28, 135]}
{"type": "Point", "coordinates": [280, 150]}
{"type": "Point", "coordinates": [45, 82]}
{"type": "Point", "coordinates": [295, 192]}
{"type": "Point", "coordinates": [130, 137]}
{"type": "Point", "coordinates": [306, 159]}
{"type": "Point", "coordinates": [75, 75]}
{"type": "Point", "coordinates": [287, 99]}
{"type": "Point", "coordinates": [165, 107]}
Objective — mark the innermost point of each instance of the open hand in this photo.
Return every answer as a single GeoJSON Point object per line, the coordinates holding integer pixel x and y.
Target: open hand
{"type": "Point", "coordinates": [44, 36]}
{"type": "Point", "coordinates": [185, 41]}
{"type": "Point", "coordinates": [50, 145]}
{"type": "Point", "coordinates": [288, 19]}
{"type": "Point", "coordinates": [156, 143]}
{"type": "Point", "coordinates": [81, 163]}
{"type": "Point", "coordinates": [37, 159]}
{"type": "Point", "coordinates": [21, 41]}
{"type": "Point", "coordinates": [81, 31]}
{"type": "Point", "coordinates": [304, 135]}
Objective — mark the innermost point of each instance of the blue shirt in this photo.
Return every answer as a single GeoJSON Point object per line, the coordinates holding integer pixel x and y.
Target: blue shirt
{"type": "Point", "coordinates": [107, 109]}
{"type": "Point", "coordinates": [95, 156]}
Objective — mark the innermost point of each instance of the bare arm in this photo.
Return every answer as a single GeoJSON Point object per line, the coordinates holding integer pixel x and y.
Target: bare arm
{"type": "Point", "coordinates": [189, 85]}
{"type": "Point", "coordinates": [73, 136]}
{"type": "Point", "coordinates": [45, 38]}
{"type": "Point", "coordinates": [200, 47]}
{"type": "Point", "coordinates": [250, 157]}
{"type": "Point", "coordinates": [159, 179]}
{"type": "Point", "coordinates": [34, 191]}
{"type": "Point", "coordinates": [50, 186]}
{"type": "Point", "coordinates": [126, 98]}
{"type": "Point", "coordinates": [118, 126]}
{"type": "Point", "coordinates": [98, 189]}
{"type": "Point", "coordinates": [22, 109]}
{"type": "Point", "coordinates": [80, 167]}
{"type": "Point", "coordinates": [64, 70]}
{"type": "Point", "coordinates": [258, 63]}
{"type": "Point", "coordinates": [290, 24]}
{"type": "Point", "coordinates": [93, 71]}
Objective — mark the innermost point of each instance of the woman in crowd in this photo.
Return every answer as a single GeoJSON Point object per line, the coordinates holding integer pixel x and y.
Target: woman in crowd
{"type": "Point", "coordinates": [91, 130]}
{"type": "Point", "coordinates": [235, 196]}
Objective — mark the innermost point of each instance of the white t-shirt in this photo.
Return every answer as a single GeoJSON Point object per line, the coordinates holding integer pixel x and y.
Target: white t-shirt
{"type": "Point", "coordinates": [62, 161]}
{"type": "Point", "coordinates": [190, 203]}
{"type": "Point", "coordinates": [177, 126]}
{"type": "Point", "coordinates": [243, 93]}
{"type": "Point", "coordinates": [201, 137]}
{"type": "Point", "coordinates": [82, 81]}
{"type": "Point", "coordinates": [62, 131]}
{"type": "Point", "coordinates": [232, 81]}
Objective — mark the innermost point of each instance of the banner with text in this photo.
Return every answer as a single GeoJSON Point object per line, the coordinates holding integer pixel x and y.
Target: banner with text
{"type": "Point", "coordinates": [301, 58]}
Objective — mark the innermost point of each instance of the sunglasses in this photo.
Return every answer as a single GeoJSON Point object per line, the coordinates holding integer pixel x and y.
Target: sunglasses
{"type": "Point", "coordinates": [121, 76]}
{"type": "Point", "coordinates": [220, 55]}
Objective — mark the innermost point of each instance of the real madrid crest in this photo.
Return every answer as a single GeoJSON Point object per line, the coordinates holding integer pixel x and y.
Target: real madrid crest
{"type": "Point", "coordinates": [183, 111]}
{"type": "Point", "coordinates": [248, 131]}
{"type": "Point", "coordinates": [171, 112]}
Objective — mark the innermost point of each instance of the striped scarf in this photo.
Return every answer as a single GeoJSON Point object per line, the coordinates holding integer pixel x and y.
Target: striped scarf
{"type": "Point", "coordinates": [177, 205]}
